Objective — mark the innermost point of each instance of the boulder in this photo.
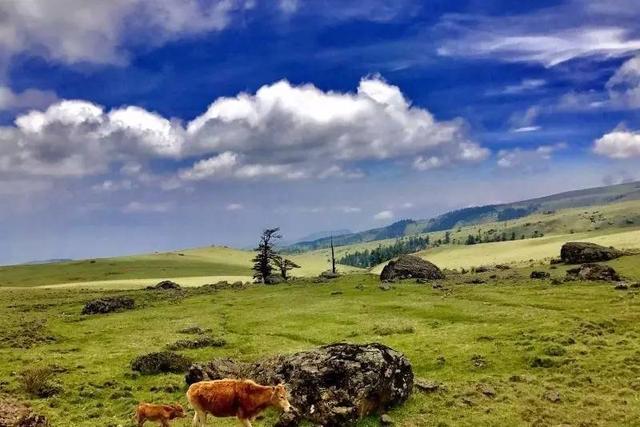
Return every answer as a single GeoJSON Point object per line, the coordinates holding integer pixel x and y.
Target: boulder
{"type": "Point", "coordinates": [108, 305]}
{"type": "Point", "coordinates": [273, 280]}
{"type": "Point", "coordinates": [334, 385]}
{"type": "Point", "coordinates": [593, 272]}
{"type": "Point", "coordinates": [539, 275]}
{"type": "Point", "coordinates": [329, 275]}
{"type": "Point", "coordinates": [584, 252]}
{"type": "Point", "coordinates": [160, 362]}
{"type": "Point", "coordinates": [410, 266]}
{"type": "Point", "coordinates": [165, 285]}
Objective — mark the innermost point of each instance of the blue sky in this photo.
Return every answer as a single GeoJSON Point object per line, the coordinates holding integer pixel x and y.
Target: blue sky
{"type": "Point", "coordinates": [139, 125]}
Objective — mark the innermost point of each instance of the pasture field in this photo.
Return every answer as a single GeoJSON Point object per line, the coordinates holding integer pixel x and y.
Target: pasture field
{"type": "Point", "coordinates": [526, 341]}
{"type": "Point", "coordinates": [191, 267]}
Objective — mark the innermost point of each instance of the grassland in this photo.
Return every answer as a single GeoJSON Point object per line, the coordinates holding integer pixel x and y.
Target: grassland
{"type": "Point", "coordinates": [522, 338]}
{"type": "Point", "coordinates": [190, 267]}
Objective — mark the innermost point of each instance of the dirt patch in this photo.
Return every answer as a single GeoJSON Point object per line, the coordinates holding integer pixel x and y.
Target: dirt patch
{"type": "Point", "coordinates": [16, 414]}
{"type": "Point", "coordinates": [27, 335]}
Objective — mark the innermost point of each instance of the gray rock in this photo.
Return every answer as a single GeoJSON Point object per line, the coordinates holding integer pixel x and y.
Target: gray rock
{"type": "Point", "coordinates": [540, 275]}
{"type": "Point", "coordinates": [552, 396]}
{"type": "Point", "coordinates": [410, 266]}
{"type": "Point", "coordinates": [386, 420]}
{"type": "Point", "coordinates": [593, 272]}
{"type": "Point", "coordinates": [335, 385]}
{"type": "Point", "coordinates": [165, 285]}
{"type": "Point", "coordinates": [584, 252]}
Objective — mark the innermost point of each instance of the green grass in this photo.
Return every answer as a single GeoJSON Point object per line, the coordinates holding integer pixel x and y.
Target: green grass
{"type": "Point", "coordinates": [586, 334]}
{"type": "Point", "coordinates": [189, 267]}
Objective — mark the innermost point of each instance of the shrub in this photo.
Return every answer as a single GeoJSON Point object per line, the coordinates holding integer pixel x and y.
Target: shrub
{"type": "Point", "coordinates": [38, 381]}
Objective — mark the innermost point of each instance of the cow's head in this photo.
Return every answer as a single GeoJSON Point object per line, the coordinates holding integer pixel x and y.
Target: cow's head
{"type": "Point", "coordinates": [279, 398]}
{"type": "Point", "coordinates": [178, 411]}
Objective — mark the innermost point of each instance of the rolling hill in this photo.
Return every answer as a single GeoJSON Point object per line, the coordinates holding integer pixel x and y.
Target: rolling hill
{"type": "Point", "coordinates": [484, 214]}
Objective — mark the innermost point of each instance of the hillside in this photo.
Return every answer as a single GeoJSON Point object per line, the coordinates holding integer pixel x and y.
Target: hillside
{"type": "Point", "coordinates": [599, 196]}
{"type": "Point", "coordinates": [190, 267]}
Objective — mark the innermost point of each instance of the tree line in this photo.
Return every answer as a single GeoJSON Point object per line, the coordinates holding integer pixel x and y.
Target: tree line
{"type": "Point", "coordinates": [367, 258]}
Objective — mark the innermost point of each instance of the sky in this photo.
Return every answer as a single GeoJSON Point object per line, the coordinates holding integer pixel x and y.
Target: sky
{"type": "Point", "coordinates": [134, 126]}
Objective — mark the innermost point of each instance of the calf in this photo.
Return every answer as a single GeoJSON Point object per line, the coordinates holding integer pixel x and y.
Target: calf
{"type": "Point", "coordinates": [160, 413]}
{"type": "Point", "coordinates": [243, 399]}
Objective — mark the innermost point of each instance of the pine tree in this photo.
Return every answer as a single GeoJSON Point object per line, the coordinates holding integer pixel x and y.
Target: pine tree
{"type": "Point", "coordinates": [262, 267]}
{"type": "Point", "coordinates": [284, 265]}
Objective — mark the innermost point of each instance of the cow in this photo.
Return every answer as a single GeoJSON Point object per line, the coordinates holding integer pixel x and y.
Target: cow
{"type": "Point", "coordinates": [160, 413]}
{"type": "Point", "coordinates": [243, 399]}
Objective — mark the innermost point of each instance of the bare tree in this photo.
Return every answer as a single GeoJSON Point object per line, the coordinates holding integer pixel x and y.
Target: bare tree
{"type": "Point", "coordinates": [333, 258]}
{"type": "Point", "coordinates": [266, 253]}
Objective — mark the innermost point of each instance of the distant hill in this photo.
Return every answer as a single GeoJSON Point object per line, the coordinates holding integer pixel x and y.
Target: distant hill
{"type": "Point", "coordinates": [48, 261]}
{"type": "Point", "coordinates": [483, 214]}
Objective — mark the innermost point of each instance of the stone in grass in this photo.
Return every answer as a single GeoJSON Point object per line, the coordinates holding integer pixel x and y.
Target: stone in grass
{"type": "Point", "coordinates": [593, 272]}
{"type": "Point", "coordinates": [334, 385]}
{"type": "Point", "coordinates": [585, 252]}
{"type": "Point", "coordinates": [427, 386]}
{"type": "Point", "coordinates": [410, 266]}
{"type": "Point", "coordinates": [198, 342]}
{"type": "Point", "coordinates": [540, 275]}
{"type": "Point", "coordinates": [486, 390]}
{"type": "Point", "coordinates": [165, 285]}
{"type": "Point", "coordinates": [108, 305]}
{"type": "Point", "coordinates": [621, 286]}
{"type": "Point", "coordinates": [161, 362]}
{"type": "Point", "coordinates": [386, 420]}
{"type": "Point", "coordinates": [552, 396]}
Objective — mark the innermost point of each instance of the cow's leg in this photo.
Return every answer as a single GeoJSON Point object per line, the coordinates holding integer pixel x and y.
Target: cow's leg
{"type": "Point", "coordinates": [199, 418]}
{"type": "Point", "coordinates": [164, 423]}
{"type": "Point", "coordinates": [245, 422]}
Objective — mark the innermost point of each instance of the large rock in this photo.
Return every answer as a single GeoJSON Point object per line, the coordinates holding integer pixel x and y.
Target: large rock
{"type": "Point", "coordinates": [165, 285]}
{"type": "Point", "coordinates": [108, 305]}
{"type": "Point", "coordinates": [410, 266]}
{"type": "Point", "coordinates": [593, 272]}
{"type": "Point", "coordinates": [334, 385]}
{"type": "Point", "coordinates": [583, 252]}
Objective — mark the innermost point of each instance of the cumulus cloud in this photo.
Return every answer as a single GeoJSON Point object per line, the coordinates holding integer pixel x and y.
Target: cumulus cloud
{"type": "Point", "coordinates": [528, 160]}
{"type": "Point", "coordinates": [281, 132]}
{"type": "Point", "coordinates": [383, 216]}
{"type": "Point", "coordinates": [549, 36]}
{"type": "Point", "coordinates": [96, 31]}
{"type": "Point", "coordinates": [620, 143]}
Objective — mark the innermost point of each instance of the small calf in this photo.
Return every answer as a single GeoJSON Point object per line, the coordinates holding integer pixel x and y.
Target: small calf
{"type": "Point", "coordinates": [160, 413]}
{"type": "Point", "coordinates": [243, 399]}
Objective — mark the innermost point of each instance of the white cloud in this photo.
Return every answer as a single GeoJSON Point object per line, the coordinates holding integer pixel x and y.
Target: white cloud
{"type": "Point", "coordinates": [525, 122]}
{"type": "Point", "coordinates": [136, 207]}
{"type": "Point", "coordinates": [234, 207]}
{"type": "Point", "coordinates": [525, 86]}
{"type": "Point", "coordinates": [619, 144]}
{"type": "Point", "coordinates": [29, 98]}
{"type": "Point", "coordinates": [624, 85]}
{"type": "Point", "coordinates": [96, 31]}
{"type": "Point", "coordinates": [109, 185]}
{"type": "Point", "coordinates": [383, 216]}
{"type": "Point", "coordinates": [281, 132]}
{"type": "Point", "coordinates": [349, 209]}
{"type": "Point", "coordinates": [528, 160]}
{"type": "Point", "coordinates": [548, 36]}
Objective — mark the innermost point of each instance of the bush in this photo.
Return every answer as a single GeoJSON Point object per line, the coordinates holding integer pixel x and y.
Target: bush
{"type": "Point", "coordinates": [164, 361]}
{"type": "Point", "coordinates": [38, 381]}
{"type": "Point", "coordinates": [198, 342]}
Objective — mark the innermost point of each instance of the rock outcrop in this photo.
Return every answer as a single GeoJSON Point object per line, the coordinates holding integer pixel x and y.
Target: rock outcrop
{"type": "Point", "coordinates": [108, 305]}
{"type": "Point", "coordinates": [593, 272]}
{"type": "Point", "coordinates": [410, 266]}
{"type": "Point", "coordinates": [334, 385]}
{"type": "Point", "coordinates": [584, 252]}
{"type": "Point", "coordinates": [165, 285]}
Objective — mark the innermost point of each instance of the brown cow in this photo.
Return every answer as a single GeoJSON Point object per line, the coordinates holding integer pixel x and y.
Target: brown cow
{"type": "Point", "coordinates": [160, 413]}
{"type": "Point", "coordinates": [243, 399]}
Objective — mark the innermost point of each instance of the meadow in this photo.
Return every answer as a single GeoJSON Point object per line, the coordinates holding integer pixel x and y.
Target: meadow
{"type": "Point", "coordinates": [512, 351]}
